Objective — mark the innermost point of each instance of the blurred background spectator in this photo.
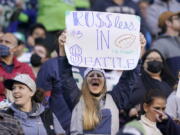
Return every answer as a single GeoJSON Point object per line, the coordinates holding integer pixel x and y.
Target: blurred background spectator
{"type": "Point", "coordinates": [9, 65]}
{"type": "Point", "coordinates": [168, 43]}
{"type": "Point", "coordinates": [39, 55]}
{"type": "Point", "coordinates": [154, 11]}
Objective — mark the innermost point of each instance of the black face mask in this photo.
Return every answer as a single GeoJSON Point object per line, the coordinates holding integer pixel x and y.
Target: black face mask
{"type": "Point", "coordinates": [35, 60]}
{"type": "Point", "coordinates": [154, 66]}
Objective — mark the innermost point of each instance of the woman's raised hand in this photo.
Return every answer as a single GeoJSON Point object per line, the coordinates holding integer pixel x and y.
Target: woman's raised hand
{"type": "Point", "coordinates": [62, 41]}
{"type": "Point", "coordinates": [143, 43]}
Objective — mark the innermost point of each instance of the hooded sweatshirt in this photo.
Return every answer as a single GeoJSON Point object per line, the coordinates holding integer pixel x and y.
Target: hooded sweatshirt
{"type": "Point", "coordinates": [31, 121]}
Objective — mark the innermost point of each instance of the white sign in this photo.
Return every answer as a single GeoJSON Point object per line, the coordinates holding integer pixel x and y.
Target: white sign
{"type": "Point", "coordinates": [178, 90]}
{"type": "Point", "coordinates": [102, 40]}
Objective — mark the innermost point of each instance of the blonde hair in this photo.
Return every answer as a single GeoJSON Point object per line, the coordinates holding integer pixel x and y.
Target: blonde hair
{"type": "Point", "coordinates": [91, 112]}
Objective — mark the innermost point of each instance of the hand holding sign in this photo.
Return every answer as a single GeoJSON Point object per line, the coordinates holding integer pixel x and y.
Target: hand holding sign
{"type": "Point", "coordinates": [143, 43]}
{"type": "Point", "coordinates": [62, 41]}
{"type": "Point", "coordinates": [103, 40]}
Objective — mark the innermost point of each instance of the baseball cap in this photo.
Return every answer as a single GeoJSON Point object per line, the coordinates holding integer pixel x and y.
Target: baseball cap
{"type": "Point", "coordinates": [23, 79]}
{"type": "Point", "coordinates": [165, 16]}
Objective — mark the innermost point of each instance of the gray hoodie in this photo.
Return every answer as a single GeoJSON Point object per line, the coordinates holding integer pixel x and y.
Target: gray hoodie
{"type": "Point", "coordinates": [31, 122]}
{"type": "Point", "coordinates": [109, 124]}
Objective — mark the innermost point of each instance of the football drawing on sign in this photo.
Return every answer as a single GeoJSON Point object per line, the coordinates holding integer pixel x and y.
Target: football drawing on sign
{"type": "Point", "coordinates": [125, 41]}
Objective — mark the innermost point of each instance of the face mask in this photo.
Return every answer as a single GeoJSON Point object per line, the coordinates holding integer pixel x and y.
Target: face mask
{"type": "Point", "coordinates": [4, 51]}
{"type": "Point", "coordinates": [154, 66]}
{"type": "Point", "coordinates": [35, 60]}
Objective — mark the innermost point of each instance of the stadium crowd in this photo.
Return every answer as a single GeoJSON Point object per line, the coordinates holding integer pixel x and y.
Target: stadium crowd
{"type": "Point", "coordinates": [42, 94]}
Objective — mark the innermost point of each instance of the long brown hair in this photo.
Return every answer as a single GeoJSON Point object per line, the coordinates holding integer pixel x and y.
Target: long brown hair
{"type": "Point", "coordinates": [91, 112]}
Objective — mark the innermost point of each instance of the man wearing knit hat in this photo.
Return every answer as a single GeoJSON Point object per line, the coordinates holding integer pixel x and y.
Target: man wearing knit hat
{"type": "Point", "coordinates": [169, 42]}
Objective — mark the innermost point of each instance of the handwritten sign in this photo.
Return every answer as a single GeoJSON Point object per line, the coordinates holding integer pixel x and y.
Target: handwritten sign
{"type": "Point", "coordinates": [102, 40]}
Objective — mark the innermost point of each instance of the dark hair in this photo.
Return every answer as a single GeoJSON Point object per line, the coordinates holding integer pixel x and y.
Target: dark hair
{"type": "Point", "coordinates": [166, 75]}
{"type": "Point", "coordinates": [38, 96]}
{"type": "Point", "coordinates": [35, 26]}
{"type": "Point", "coordinates": [164, 27]}
{"type": "Point", "coordinates": [153, 93]}
{"type": "Point", "coordinates": [20, 42]}
{"type": "Point", "coordinates": [43, 42]}
{"type": "Point", "coordinates": [56, 41]}
{"type": "Point", "coordinates": [150, 96]}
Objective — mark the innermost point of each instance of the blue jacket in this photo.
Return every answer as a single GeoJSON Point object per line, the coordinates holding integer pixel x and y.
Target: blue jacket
{"type": "Point", "coordinates": [49, 80]}
{"type": "Point", "coordinates": [169, 127]}
{"type": "Point", "coordinates": [139, 89]}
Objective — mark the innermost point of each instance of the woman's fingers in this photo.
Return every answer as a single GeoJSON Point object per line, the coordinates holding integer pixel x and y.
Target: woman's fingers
{"type": "Point", "coordinates": [143, 43]}
{"type": "Point", "coordinates": [142, 40]}
{"type": "Point", "coordinates": [62, 38]}
{"type": "Point", "coordinates": [160, 116]}
{"type": "Point", "coordinates": [133, 112]}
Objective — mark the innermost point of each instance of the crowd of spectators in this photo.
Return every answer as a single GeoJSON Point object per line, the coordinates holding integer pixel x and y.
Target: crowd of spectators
{"type": "Point", "coordinates": [41, 93]}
